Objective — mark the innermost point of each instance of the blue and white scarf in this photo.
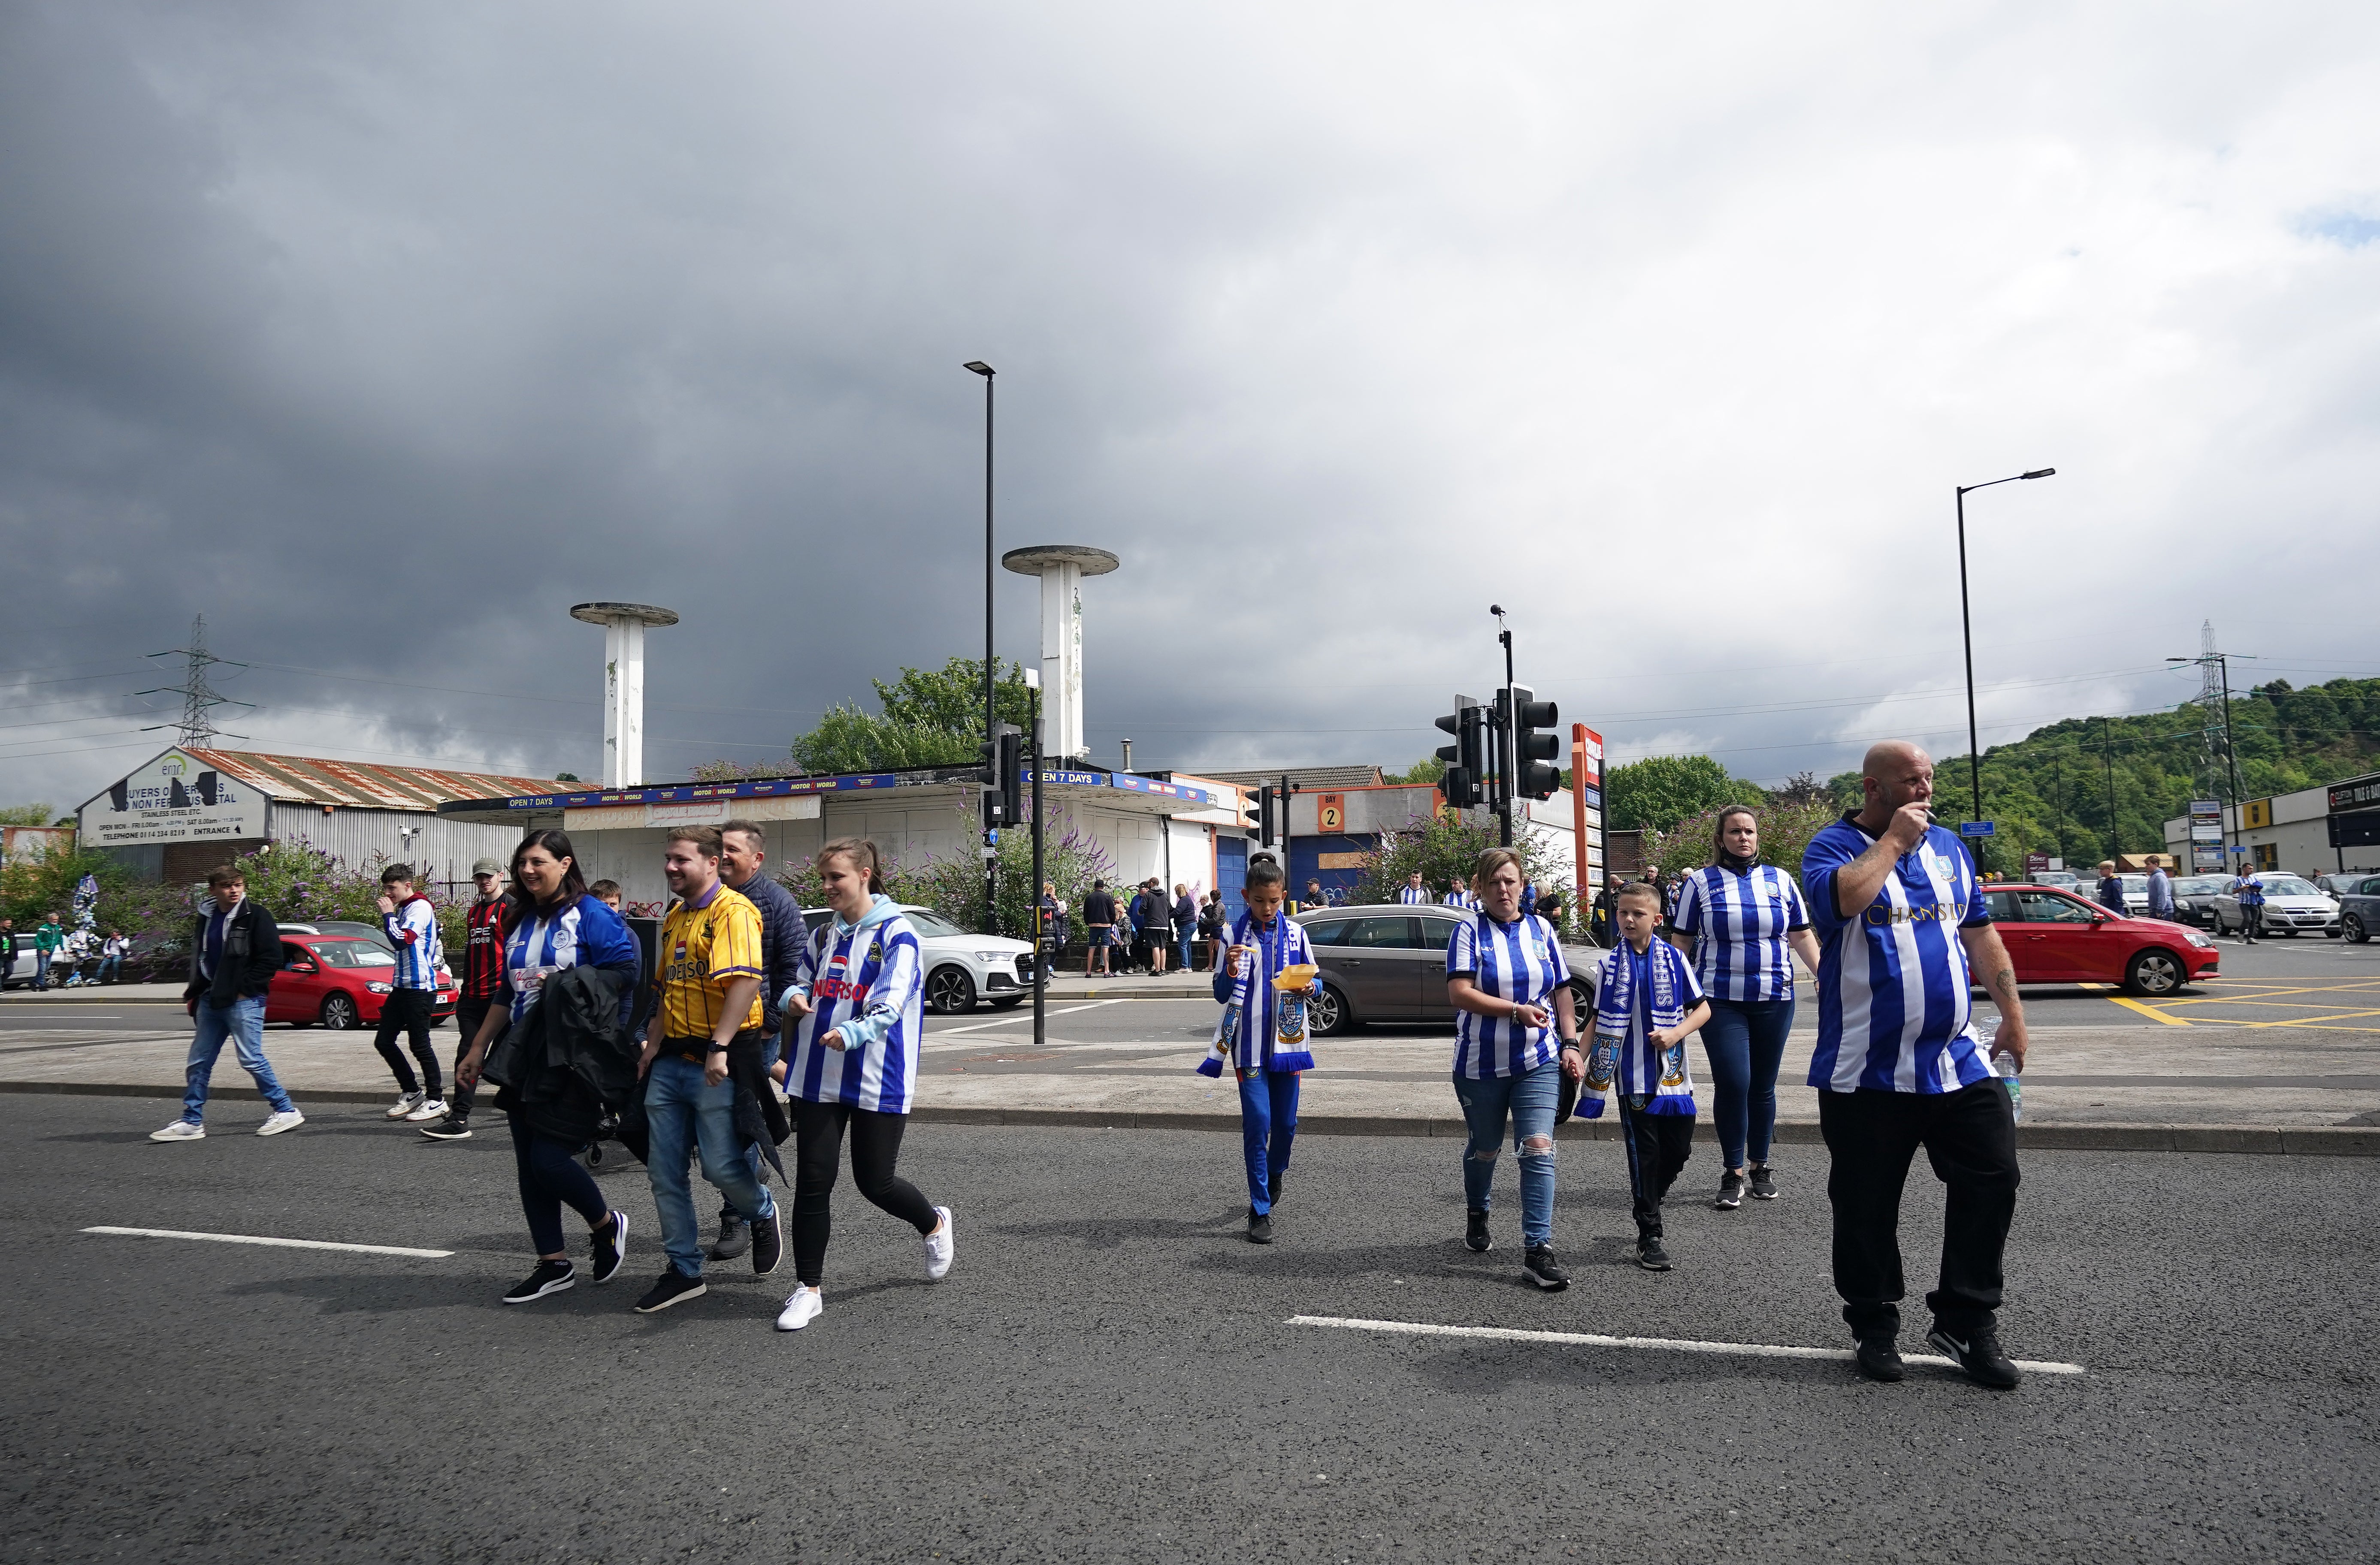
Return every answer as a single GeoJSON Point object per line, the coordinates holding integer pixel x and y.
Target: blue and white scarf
{"type": "Point", "coordinates": [1622, 1056]}
{"type": "Point", "coordinates": [1262, 1027]}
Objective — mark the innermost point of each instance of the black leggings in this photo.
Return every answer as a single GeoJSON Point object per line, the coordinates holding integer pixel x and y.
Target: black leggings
{"type": "Point", "coordinates": [551, 1179]}
{"type": "Point", "coordinates": [817, 1149]}
{"type": "Point", "coordinates": [408, 1011]}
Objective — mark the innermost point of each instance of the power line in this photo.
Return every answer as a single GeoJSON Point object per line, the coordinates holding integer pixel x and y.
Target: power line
{"type": "Point", "coordinates": [199, 699]}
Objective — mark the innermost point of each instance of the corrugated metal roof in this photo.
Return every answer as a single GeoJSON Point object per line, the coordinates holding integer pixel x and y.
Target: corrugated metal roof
{"type": "Point", "coordinates": [311, 779]}
{"type": "Point", "coordinates": [1305, 776]}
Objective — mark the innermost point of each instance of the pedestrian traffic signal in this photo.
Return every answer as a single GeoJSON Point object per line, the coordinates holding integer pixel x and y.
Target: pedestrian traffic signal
{"type": "Point", "coordinates": [1466, 758]}
{"type": "Point", "coordinates": [1003, 775]}
{"type": "Point", "coordinates": [1532, 778]}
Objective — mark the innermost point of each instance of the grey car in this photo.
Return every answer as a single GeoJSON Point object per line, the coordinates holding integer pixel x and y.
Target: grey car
{"type": "Point", "coordinates": [2359, 904]}
{"type": "Point", "coordinates": [1387, 964]}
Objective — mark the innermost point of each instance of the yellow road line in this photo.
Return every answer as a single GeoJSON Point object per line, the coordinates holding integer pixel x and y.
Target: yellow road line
{"type": "Point", "coordinates": [2313, 1021]}
{"type": "Point", "coordinates": [2149, 1011]}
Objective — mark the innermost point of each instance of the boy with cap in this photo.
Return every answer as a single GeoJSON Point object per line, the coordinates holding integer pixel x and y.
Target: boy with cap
{"type": "Point", "coordinates": [483, 977]}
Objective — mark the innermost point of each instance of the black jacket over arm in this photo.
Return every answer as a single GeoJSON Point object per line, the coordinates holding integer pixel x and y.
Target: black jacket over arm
{"type": "Point", "coordinates": [569, 1063]}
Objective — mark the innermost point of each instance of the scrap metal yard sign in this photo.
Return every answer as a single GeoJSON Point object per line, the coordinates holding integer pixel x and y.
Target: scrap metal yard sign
{"type": "Point", "coordinates": [173, 799]}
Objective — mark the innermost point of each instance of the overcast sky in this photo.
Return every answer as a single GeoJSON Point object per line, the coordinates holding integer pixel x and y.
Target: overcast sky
{"type": "Point", "coordinates": [381, 335]}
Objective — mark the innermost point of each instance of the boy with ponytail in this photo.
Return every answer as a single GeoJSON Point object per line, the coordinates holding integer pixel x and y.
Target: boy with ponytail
{"type": "Point", "coordinates": [1262, 1033]}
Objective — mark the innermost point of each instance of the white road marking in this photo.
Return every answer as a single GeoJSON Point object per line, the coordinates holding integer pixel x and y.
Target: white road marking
{"type": "Point", "coordinates": [1591, 1339]}
{"type": "Point", "coordinates": [1012, 1021]}
{"type": "Point", "coordinates": [282, 1244]}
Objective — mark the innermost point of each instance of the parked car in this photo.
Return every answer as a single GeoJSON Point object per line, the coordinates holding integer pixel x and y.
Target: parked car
{"type": "Point", "coordinates": [340, 981]}
{"type": "Point", "coordinates": [2064, 879]}
{"type": "Point", "coordinates": [2194, 898]}
{"type": "Point", "coordinates": [2055, 937]}
{"type": "Point", "coordinates": [351, 928]}
{"type": "Point", "coordinates": [1387, 962]}
{"type": "Point", "coordinates": [2358, 905]}
{"type": "Point", "coordinates": [20, 977]}
{"type": "Point", "coordinates": [2291, 905]}
{"type": "Point", "coordinates": [960, 968]}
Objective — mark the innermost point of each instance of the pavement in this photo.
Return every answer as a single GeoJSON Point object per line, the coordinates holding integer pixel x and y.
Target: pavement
{"type": "Point", "coordinates": [2282, 1053]}
{"type": "Point", "coordinates": [1111, 1371]}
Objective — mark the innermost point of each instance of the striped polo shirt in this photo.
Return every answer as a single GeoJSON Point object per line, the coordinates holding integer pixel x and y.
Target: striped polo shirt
{"type": "Point", "coordinates": [1894, 1012]}
{"type": "Point", "coordinates": [867, 980]}
{"type": "Point", "coordinates": [1739, 922]}
{"type": "Point", "coordinates": [1520, 962]}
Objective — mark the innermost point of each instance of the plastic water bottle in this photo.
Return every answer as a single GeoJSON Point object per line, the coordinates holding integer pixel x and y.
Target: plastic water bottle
{"type": "Point", "coordinates": [2004, 1067]}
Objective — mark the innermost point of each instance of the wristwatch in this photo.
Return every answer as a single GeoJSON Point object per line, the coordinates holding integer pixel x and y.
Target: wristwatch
{"type": "Point", "coordinates": [718, 1048]}
{"type": "Point", "coordinates": [1570, 1043]}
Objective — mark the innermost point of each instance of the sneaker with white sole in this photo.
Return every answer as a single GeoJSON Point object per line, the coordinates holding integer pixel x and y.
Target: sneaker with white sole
{"type": "Point", "coordinates": [180, 1129]}
{"type": "Point", "coordinates": [286, 1119]}
{"type": "Point", "coordinates": [608, 1246]}
{"type": "Point", "coordinates": [427, 1109]}
{"type": "Point", "coordinates": [806, 1306]}
{"type": "Point", "coordinates": [406, 1102]}
{"type": "Point", "coordinates": [551, 1277]}
{"type": "Point", "coordinates": [674, 1287]}
{"type": "Point", "coordinates": [941, 1247]}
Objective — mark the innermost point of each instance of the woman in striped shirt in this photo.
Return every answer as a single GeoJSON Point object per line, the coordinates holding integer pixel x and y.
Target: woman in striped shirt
{"type": "Point", "coordinates": [1511, 991]}
{"type": "Point", "coordinates": [1738, 918]}
{"type": "Point", "coordinates": [857, 1010]}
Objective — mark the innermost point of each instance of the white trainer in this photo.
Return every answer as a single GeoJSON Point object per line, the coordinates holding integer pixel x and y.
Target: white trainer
{"type": "Point", "coordinates": [941, 1247]}
{"type": "Point", "coordinates": [406, 1102]}
{"type": "Point", "coordinates": [180, 1129]}
{"type": "Point", "coordinates": [286, 1119]}
{"type": "Point", "coordinates": [807, 1304]}
{"type": "Point", "coordinates": [429, 1109]}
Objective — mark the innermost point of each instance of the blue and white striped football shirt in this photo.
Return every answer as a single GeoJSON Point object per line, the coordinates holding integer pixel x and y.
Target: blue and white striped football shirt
{"type": "Point", "coordinates": [1416, 896]}
{"type": "Point", "coordinates": [1894, 1012]}
{"type": "Point", "coordinates": [869, 982]}
{"type": "Point", "coordinates": [1460, 899]}
{"type": "Point", "coordinates": [413, 929]}
{"type": "Point", "coordinates": [1739, 922]}
{"type": "Point", "coordinates": [1520, 962]}
{"type": "Point", "coordinates": [587, 932]}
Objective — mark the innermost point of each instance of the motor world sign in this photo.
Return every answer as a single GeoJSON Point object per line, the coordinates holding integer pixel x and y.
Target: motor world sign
{"type": "Point", "coordinates": [175, 799]}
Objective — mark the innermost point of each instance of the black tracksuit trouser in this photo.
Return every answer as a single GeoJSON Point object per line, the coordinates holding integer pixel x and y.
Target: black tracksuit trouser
{"type": "Point", "coordinates": [1658, 1147]}
{"type": "Point", "coordinates": [1970, 1137]}
{"type": "Point", "coordinates": [407, 1012]}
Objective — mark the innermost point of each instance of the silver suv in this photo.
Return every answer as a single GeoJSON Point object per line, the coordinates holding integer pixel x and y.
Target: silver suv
{"type": "Point", "coordinates": [1387, 962]}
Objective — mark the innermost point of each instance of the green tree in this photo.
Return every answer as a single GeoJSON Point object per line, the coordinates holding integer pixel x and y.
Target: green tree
{"type": "Point", "coordinates": [25, 815]}
{"type": "Point", "coordinates": [1446, 846]}
{"type": "Point", "coordinates": [1661, 791]}
{"type": "Point", "coordinates": [951, 698]}
{"type": "Point", "coordinates": [1786, 828]}
{"type": "Point", "coordinates": [931, 717]}
{"type": "Point", "coordinates": [1429, 769]}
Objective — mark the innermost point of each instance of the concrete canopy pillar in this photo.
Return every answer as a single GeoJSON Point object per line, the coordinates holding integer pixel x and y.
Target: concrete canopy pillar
{"type": "Point", "coordinates": [623, 683]}
{"type": "Point", "coordinates": [1062, 567]}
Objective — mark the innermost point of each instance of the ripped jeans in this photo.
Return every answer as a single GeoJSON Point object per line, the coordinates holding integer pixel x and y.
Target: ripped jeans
{"type": "Point", "coordinates": [1528, 1102]}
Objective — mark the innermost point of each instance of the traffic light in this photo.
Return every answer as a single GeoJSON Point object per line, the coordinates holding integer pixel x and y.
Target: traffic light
{"type": "Point", "coordinates": [1532, 778]}
{"type": "Point", "coordinates": [1266, 808]}
{"type": "Point", "coordinates": [1466, 758]}
{"type": "Point", "coordinates": [1002, 774]}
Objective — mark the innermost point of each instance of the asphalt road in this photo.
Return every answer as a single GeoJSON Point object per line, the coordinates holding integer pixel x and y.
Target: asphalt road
{"type": "Point", "coordinates": [1109, 1370]}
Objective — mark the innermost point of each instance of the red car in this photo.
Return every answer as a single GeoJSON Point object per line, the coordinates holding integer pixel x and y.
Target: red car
{"type": "Point", "coordinates": [339, 981]}
{"type": "Point", "coordinates": [2056, 938]}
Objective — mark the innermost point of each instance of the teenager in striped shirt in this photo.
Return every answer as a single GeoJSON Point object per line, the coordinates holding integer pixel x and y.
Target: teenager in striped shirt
{"type": "Point", "coordinates": [1738, 919]}
{"type": "Point", "coordinates": [858, 1014]}
{"type": "Point", "coordinates": [412, 928]}
{"type": "Point", "coordinates": [1511, 991]}
{"type": "Point", "coordinates": [1414, 894]}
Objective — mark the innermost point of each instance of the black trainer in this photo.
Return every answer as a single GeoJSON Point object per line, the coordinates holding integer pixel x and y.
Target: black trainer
{"type": "Point", "coordinates": [674, 1287]}
{"type": "Point", "coordinates": [1475, 1233]}
{"type": "Point", "coordinates": [610, 1247]}
{"type": "Point", "coordinates": [1731, 1191]}
{"type": "Point", "coordinates": [1259, 1227]}
{"type": "Point", "coordinates": [454, 1127]}
{"type": "Point", "coordinates": [768, 1245]}
{"type": "Point", "coordinates": [1977, 1352]}
{"type": "Point", "coordinates": [1879, 1357]}
{"type": "Point", "coordinates": [1540, 1268]}
{"type": "Point", "coordinates": [734, 1238]}
{"type": "Point", "coordinates": [551, 1277]}
{"type": "Point", "coordinates": [1650, 1255]}
{"type": "Point", "coordinates": [1764, 1183]}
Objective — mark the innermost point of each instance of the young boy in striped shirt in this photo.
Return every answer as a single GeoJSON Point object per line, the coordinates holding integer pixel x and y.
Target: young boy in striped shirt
{"type": "Point", "coordinates": [1646, 1002]}
{"type": "Point", "coordinates": [1263, 942]}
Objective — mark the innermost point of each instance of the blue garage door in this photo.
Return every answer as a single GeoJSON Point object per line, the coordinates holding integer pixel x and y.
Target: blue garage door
{"type": "Point", "coordinates": [1232, 874]}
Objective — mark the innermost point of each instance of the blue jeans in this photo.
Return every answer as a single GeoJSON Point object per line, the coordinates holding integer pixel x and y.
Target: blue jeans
{"type": "Point", "coordinates": [41, 969]}
{"type": "Point", "coordinates": [1528, 1101]}
{"type": "Point", "coordinates": [1182, 947]}
{"type": "Point", "coordinates": [109, 968]}
{"type": "Point", "coordinates": [1745, 1039]}
{"type": "Point", "coordinates": [683, 1112]}
{"type": "Point", "coordinates": [1267, 1127]}
{"type": "Point", "coordinates": [243, 1022]}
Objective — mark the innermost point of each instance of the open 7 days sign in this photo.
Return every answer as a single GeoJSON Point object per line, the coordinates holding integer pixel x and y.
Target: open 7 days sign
{"type": "Point", "coordinates": [173, 799]}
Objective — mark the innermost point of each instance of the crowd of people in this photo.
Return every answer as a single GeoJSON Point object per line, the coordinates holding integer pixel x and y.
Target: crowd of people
{"type": "Point", "coordinates": [749, 1029]}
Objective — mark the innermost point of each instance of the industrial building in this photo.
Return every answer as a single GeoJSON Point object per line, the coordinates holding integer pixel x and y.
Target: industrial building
{"type": "Point", "coordinates": [185, 810]}
{"type": "Point", "coordinates": [2332, 828]}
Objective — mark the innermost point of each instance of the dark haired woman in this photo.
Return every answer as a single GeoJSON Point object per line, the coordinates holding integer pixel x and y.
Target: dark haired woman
{"type": "Point", "coordinates": [553, 923]}
{"type": "Point", "coordinates": [858, 1014]}
{"type": "Point", "coordinates": [1737, 918]}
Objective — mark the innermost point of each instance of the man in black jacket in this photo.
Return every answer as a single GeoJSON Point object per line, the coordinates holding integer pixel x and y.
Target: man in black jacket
{"type": "Point", "coordinates": [743, 847]}
{"type": "Point", "coordinates": [235, 950]}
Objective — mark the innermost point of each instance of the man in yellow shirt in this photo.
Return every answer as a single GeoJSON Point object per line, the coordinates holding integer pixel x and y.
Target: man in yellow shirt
{"type": "Point", "coordinates": [707, 985]}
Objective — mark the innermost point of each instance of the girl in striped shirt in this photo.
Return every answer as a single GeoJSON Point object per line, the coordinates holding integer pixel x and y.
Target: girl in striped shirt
{"type": "Point", "coordinates": [1511, 991]}
{"type": "Point", "coordinates": [857, 1012]}
{"type": "Point", "coordinates": [1251, 1039]}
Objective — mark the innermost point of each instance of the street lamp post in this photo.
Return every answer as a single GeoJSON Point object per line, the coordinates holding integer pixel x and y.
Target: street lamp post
{"type": "Point", "coordinates": [1967, 634]}
{"type": "Point", "coordinates": [1504, 795]}
{"type": "Point", "coordinates": [990, 720]}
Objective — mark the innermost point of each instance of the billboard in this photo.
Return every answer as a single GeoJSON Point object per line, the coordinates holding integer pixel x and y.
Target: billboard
{"type": "Point", "coordinates": [173, 799]}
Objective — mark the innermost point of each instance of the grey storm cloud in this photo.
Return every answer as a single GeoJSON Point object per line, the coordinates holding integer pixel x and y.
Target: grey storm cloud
{"type": "Point", "coordinates": [381, 335]}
